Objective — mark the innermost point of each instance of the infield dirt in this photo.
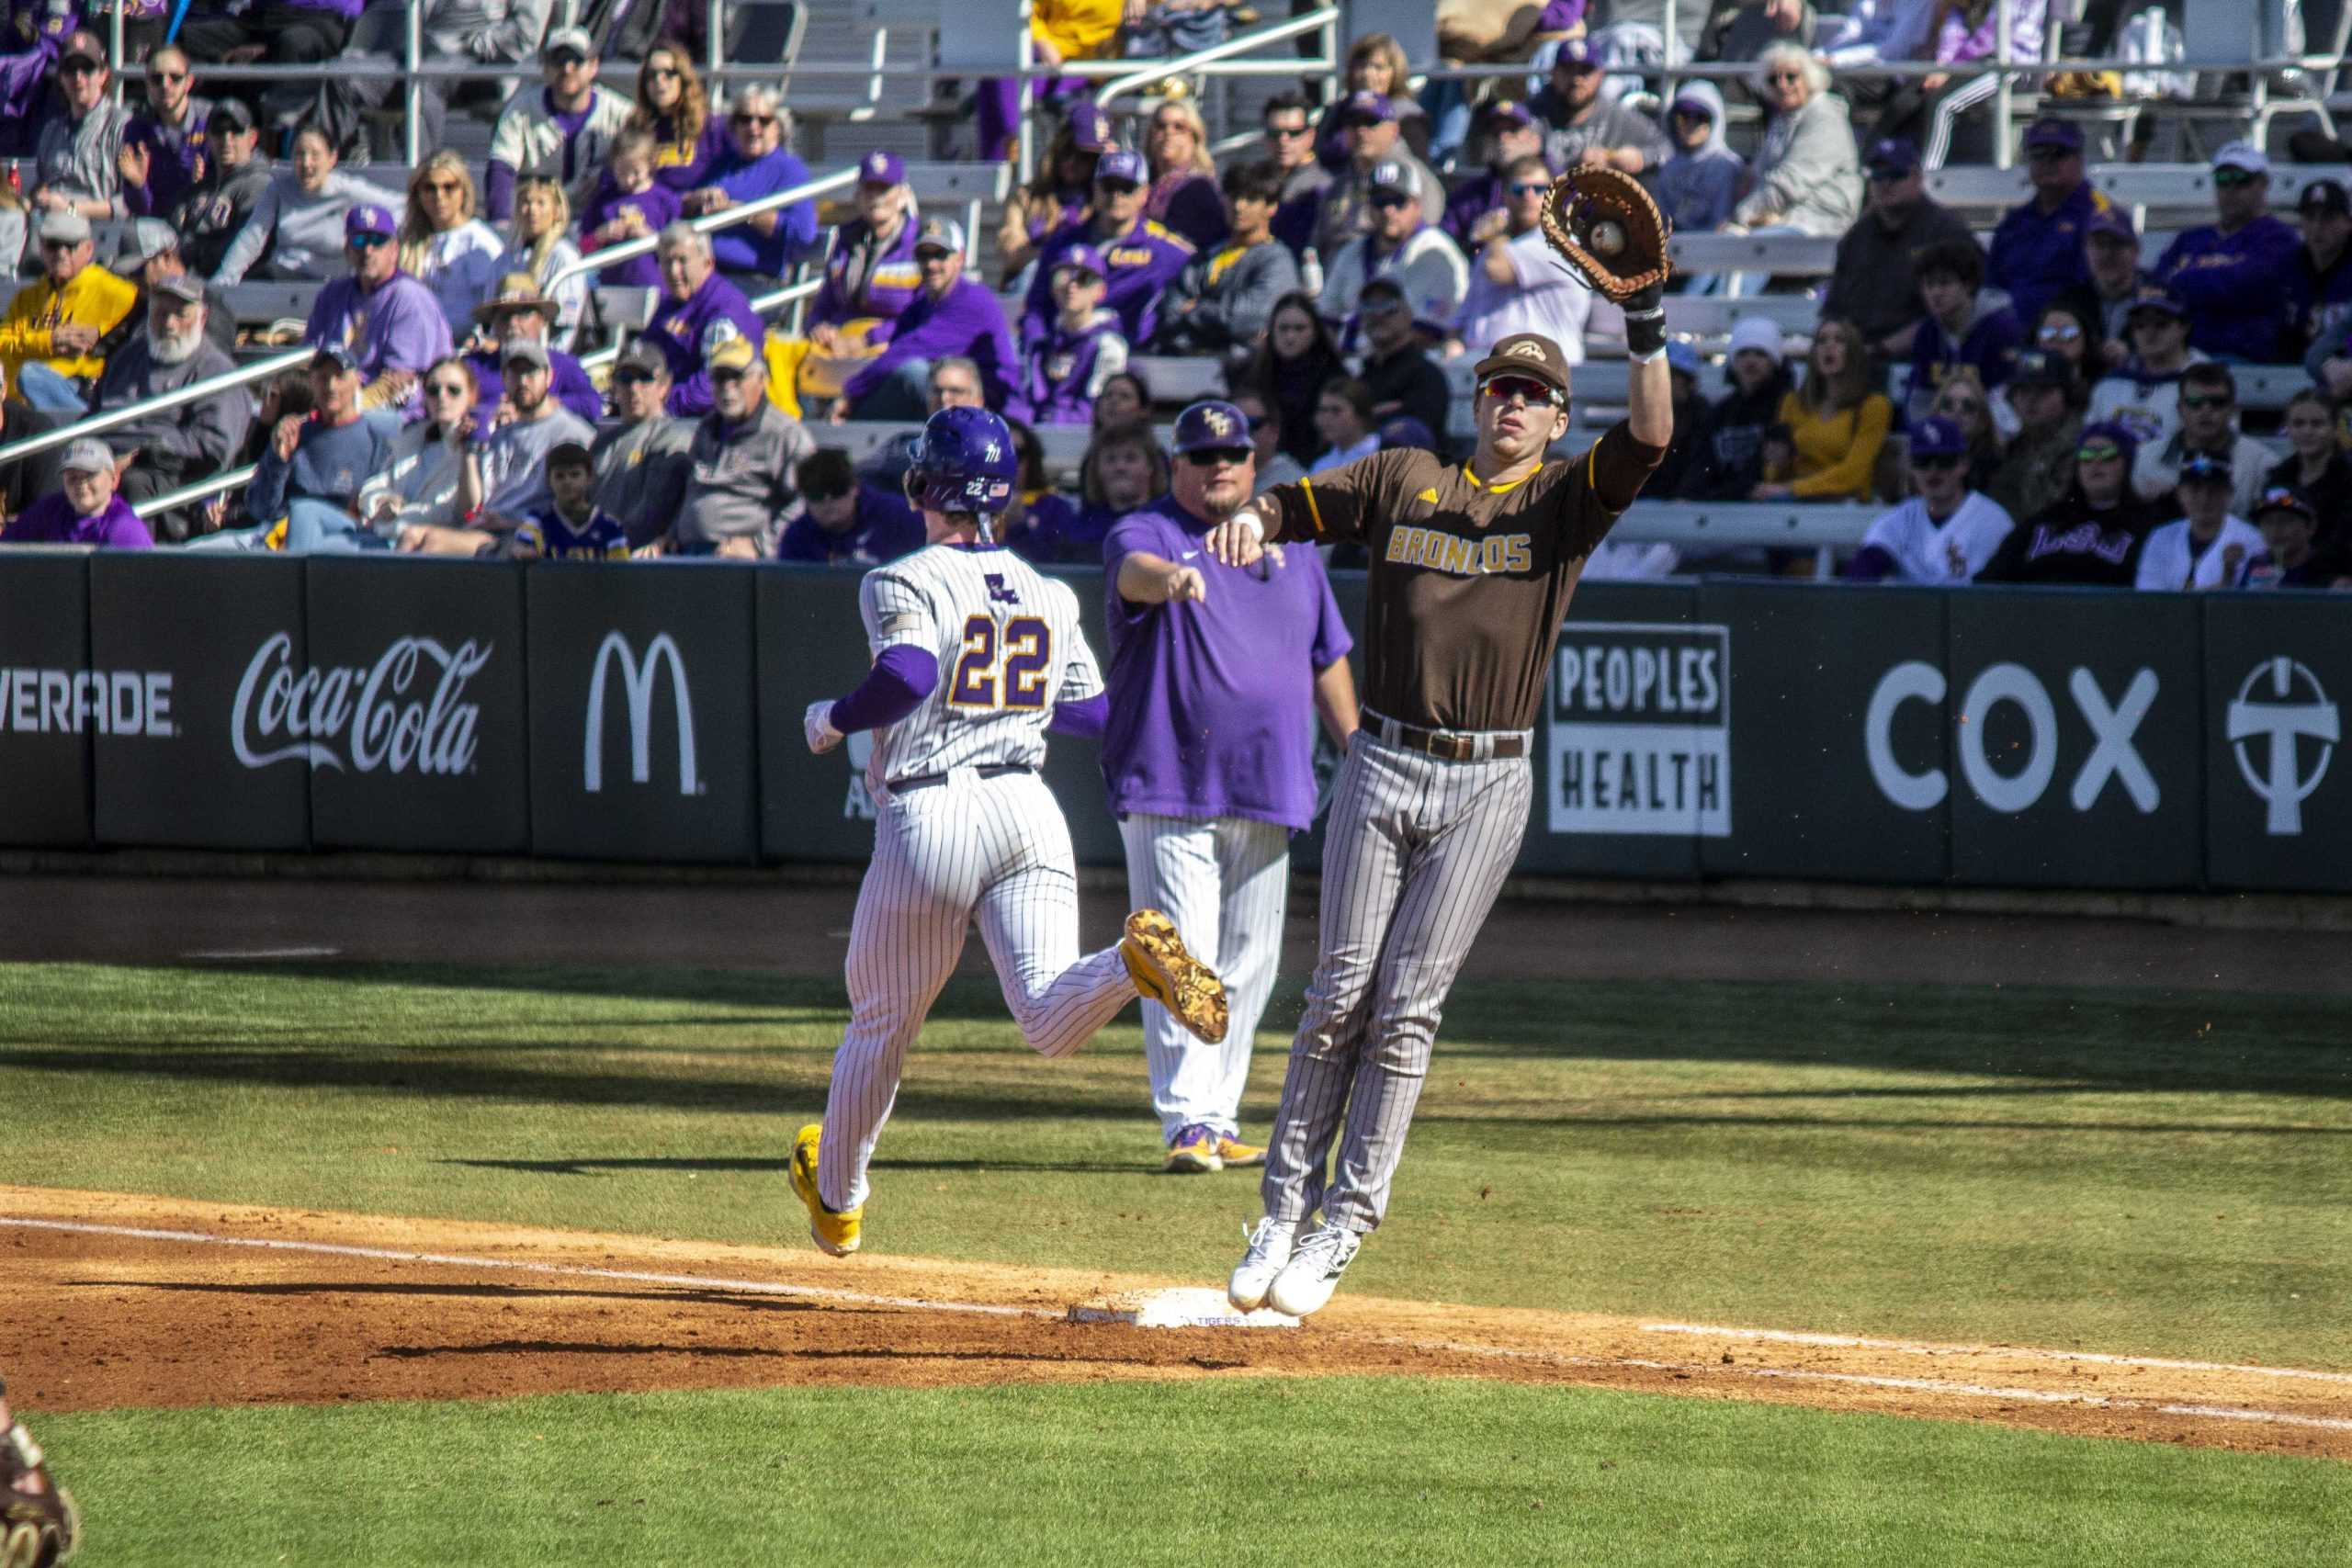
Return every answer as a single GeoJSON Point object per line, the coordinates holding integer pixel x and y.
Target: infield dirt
{"type": "Point", "coordinates": [117, 1320]}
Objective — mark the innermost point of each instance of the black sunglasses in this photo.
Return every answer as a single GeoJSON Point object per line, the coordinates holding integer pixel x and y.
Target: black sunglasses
{"type": "Point", "coordinates": [634, 377]}
{"type": "Point", "coordinates": [1935, 464]}
{"type": "Point", "coordinates": [1216, 456]}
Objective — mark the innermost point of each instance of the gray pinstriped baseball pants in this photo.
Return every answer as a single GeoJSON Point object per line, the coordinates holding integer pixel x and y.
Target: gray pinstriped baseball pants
{"type": "Point", "coordinates": [1416, 853]}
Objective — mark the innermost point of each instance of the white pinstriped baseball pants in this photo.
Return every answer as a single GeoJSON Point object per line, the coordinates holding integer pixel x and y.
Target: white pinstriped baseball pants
{"type": "Point", "coordinates": [997, 848]}
{"type": "Point", "coordinates": [1416, 853]}
{"type": "Point", "coordinates": [1226, 882]}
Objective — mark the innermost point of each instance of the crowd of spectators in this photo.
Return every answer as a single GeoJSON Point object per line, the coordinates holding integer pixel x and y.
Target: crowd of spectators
{"type": "Point", "coordinates": [2022, 398]}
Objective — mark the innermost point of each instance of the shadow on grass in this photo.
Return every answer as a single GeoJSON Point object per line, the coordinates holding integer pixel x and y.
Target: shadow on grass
{"type": "Point", "coordinates": [778, 1166]}
{"type": "Point", "coordinates": [756, 1301]}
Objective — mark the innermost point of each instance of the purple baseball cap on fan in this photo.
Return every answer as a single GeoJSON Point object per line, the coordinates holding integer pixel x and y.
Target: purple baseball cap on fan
{"type": "Point", "coordinates": [1089, 129]}
{"type": "Point", "coordinates": [1935, 437]}
{"type": "Point", "coordinates": [1361, 107]}
{"type": "Point", "coordinates": [1124, 165]}
{"type": "Point", "coordinates": [882, 169]}
{"type": "Point", "coordinates": [370, 219]}
{"type": "Point", "coordinates": [1577, 54]}
{"type": "Point", "coordinates": [2111, 221]}
{"type": "Point", "coordinates": [1085, 258]}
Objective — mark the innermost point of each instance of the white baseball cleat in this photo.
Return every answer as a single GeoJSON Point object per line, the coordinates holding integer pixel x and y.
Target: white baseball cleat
{"type": "Point", "coordinates": [1269, 1251]}
{"type": "Point", "coordinates": [1306, 1282]}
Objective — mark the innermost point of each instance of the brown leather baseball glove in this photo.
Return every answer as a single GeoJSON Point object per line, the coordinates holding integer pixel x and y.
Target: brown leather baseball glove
{"type": "Point", "coordinates": [1606, 227]}
{"type": "Point", "coordinates": [39, 1526]}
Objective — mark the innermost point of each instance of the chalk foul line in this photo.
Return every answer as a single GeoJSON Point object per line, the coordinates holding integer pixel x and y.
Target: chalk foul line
{"type": "Point", "coordinates": [865, 1297]}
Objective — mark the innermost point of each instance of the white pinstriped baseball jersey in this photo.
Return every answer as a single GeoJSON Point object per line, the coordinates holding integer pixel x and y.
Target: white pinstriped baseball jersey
{"type": "Point", "coordinates": [1009, 650]}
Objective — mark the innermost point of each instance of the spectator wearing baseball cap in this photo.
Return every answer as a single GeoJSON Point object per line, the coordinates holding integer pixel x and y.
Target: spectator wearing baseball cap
{"type": "Point", "coordinates": [1343, 210]}
{"type": "Point", "coordinates": [741, 466]}
{"type": "Point", "coordinates": [1143, 256]}
{"type": "Point", "coordinates": [871, 275]}
{"type": "Point", "coordinates": [1064, 369]}
{"type": "Point", "coordinates": [1505, 132]}
{"type": "Point", "coordinates": [149, 255]}
{"type": "Point", "coordinates": [2289, 524]}
{"type": "Point", "coordinates": [2239, 276]}
{"type": "Point", "coordinates": [2144, 394]}
{"type": "Point", "coordinates": [77, 162]}
{"type": "Point", "coordinates": [2208, 407]}
{"type": "Point", "coordinates": [2038, 247]}
{"type": "Point", "coordinates": [1062, 191]}
{"type": "Point", "coordinates": [1699, 182]}
{"type": "Point", "coordinates": [51, 337]}
{"type": "Point", "coordinates": [2210, 545]}
{"type": "Point", "coordinates": [2324, 211]}
{"type": "Point", "coordinates": [1871, 284]}
{"type": "Point", "coordinates": [640, 452]}
{"type": "Point", "coordinates": [516, 311]}
{"type": "Point", "coordinates": [2111, 256]}
{"type": "Point", "coordinates": [1959, 330]}
{"type": "Point", "coordinates": [756, 253]}
{"type": "Point", "coordinates": [305, 489]}
{"type": "Point", "coordinates": [951, 315]}
{"type": "Point", "coordinates": [296, 231]}
{"type": "Point", "coordinates": [2091, 533]}
{"type": "Point", "coordinates": [1403, 246]}
{"type": "Point", "coordinates": [1375, 68]}
{"type": "Point", "coordinates": [505, 479]}
{"type": "Point", "coordinates": [1586, 123]}
{"type": "Point", "coordinates": [844, 523]}
{"type": "Point", "coordinates": [1946, 533]}
{"type": "Point", "coordinates": [2047, 400]}
{"type": "Point", "coordinates": [1405, 382]}
{"type": "Point", "coordinates": [2316, 468]}
{"type": "Point", "coordinates": [1727, 447]}
{"type": "Point", "coordinates": [1216, 676]}
{"type": "Point", "coordinates": [228, 185]}
{"type": "Point", "coordinates": [1518, 283]}
{"type": "Point", "coordinates": [164, 449]}
{"type": "Point", "coordinates": [85, 509]}
{"type": "Point", "coordinates": [390, 322]}
{"type": "Point", "coordinates": [1221, 301]}
{"type": "Point", "coordinates": [560, 132]}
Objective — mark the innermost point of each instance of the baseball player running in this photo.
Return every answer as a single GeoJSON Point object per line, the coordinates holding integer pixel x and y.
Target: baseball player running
{"type": "Point", "coordinates": [1215, 674]}
{"type": "Point", "coordinates": [976, 657]}
{"type": "Point", "coordinates": [1472, 567]}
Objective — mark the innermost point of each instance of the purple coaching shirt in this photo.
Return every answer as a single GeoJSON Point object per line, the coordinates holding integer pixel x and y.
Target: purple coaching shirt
{"type": "Point", "coordinates": [1213, 705]}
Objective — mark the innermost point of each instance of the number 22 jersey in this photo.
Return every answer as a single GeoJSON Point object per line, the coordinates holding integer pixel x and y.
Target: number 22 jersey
{"type": "Point", "coordinates": [1008, 648]}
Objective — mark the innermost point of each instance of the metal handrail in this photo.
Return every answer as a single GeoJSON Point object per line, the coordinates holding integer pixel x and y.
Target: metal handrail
{"type": "Point", "coordinates": [243, 375]}
{"type": "Point", "coordinates": [1240, 43]}
{"type": "Point", "coordinates": [708, 222]}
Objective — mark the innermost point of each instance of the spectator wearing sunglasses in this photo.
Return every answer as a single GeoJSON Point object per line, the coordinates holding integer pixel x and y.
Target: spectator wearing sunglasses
{"type": "Point", "coordinates": [1224, 297]}
{"type": "Point", "coordinates": [756, 253]}
{"type": "Point", "coordinates": [2211, 545]}
{"type": "Point", "coordinates": [2325, 210]}
{"type": "Point", "coordinates": [562, 132]}
{"type": "Point", "coordinates": [1288, 124]}
{"type": "Point", "coordinates": [1518, 283]}
{"type": "Point", "coordinates": [1403, 247]}
{"type": "Point", "coordinates": [389, 321]}
{"type": "Point", "coordinates": [78, 161]}
{"type": "Point", "coordinates": [1403, 381]}
{"type": "Point", "coordinates": [1063, 372]}
{"type": "Point", "coordinates": [163, 146]}
{"type": "Point", "coordinates": [953, 317]}
{"type": "Point", "coordinates": [1141, 257]}
{"type": "Point", "coordinates": [843, 522]}
{"type": "Point", "coordinates": [2038, 246]}
{"type": "Point", "coordinates": [1944, 533]}
{"type": "Point", "coordinates": [418, 484]}
{"type": "Point", "coordinates": [1698, 184]}
{"type": "Point", "coordinates": [1873, 285]}
{"type": "Point", "coordinates": [230, 182]}
{"type": "Point", "coordinates": [640, 452]}
{"type": "Point", "coordinates": [1964, 328]}
{"type": "Point", "coordinates": [1368, 125]}
{"type": "Point", "coordinates": [2090, 534]}
{"type": "Point", "coordinates": [2208, 406]}
{"type": "Point", "coordinates": [2240, 275]}
{"type": "Point", "coordinates": [1510, 134]}
{"type": "Point", "coordinates": [1806, 176]}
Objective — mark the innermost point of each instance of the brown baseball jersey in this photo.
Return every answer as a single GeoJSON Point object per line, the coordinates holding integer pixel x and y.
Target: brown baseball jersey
{"type": "Point", "coordinates": [1469, 579]}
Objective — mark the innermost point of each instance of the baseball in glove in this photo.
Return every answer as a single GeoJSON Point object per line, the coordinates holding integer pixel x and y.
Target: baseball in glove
{"type": "Point", "coordinates": [1606, 227]}
{"type": "Point", "coordinates": [38, 1523]}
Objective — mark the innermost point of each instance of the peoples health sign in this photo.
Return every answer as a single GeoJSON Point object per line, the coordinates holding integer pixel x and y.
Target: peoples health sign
{"type": "Point", "coordinates": [1639, 729]}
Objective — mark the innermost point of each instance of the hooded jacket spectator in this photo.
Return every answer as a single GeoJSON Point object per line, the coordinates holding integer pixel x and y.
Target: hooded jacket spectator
{"type": "Point", "coordinates": [1697, 188]}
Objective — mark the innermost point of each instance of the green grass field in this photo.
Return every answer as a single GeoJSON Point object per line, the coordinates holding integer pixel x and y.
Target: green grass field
{"type": "Point", "coordinates": [2102, 1170]}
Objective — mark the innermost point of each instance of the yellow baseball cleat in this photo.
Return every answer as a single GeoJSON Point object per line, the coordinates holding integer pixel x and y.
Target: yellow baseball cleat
{"type": "Point", "coordinates": [1236, 1154]}
{"type": "Point", "coordinates": [1192, 1151]}
{"type": "Point", "coordinates": [836, 1234]}
{"type": "Point", "coordinates": [1168, 975]}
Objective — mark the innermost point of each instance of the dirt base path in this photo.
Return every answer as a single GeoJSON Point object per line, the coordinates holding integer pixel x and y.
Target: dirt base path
{"type": "Point", "coordinates": [235, 1305]}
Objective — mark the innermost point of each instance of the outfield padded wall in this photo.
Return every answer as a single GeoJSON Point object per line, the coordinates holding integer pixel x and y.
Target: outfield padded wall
{"type": "Point", "coordinates": [1732, 727]}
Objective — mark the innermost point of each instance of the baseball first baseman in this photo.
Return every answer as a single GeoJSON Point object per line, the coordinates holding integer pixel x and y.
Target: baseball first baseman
{"type": "Point", "coordinates": [976, 657]}
{"type": "Point", "coordinates": [1472, 568]}
{"type": "Point", "coordinates": [38, 1525]}
{"type": "Point", "coordinates": [1216, 675]}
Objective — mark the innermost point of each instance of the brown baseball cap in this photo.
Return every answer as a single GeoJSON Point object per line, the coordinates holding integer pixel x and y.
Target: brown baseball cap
{"type": "Point", "coordinates": [1527, 353]}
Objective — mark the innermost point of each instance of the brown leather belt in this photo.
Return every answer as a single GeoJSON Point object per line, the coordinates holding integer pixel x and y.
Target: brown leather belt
{"type": "Point", "coordinates": [1448, 745]}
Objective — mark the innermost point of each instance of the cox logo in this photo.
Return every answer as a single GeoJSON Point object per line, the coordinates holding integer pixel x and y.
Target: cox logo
{"type": "Point", "coordinates": [2112, 755]}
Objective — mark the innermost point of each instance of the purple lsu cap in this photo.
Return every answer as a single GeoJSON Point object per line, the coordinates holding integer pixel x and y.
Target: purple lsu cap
{"type": "Point", "coordinates": [1213, 425]}
{"type": "Point", "coordinates": [1363, 106]}
{"type": "Point", "coordinates": [1085, 258]}
{"type": "Point", "coordinates": [1576, 54]}
{"type": "Point", "coordinates": [1123, 165]}
{"type": "Point", "coordinates": [1934, 437]}
{"type": "Point", "coordinates": [1897, 155]}
{"type": "Point", "coordinates": [882, 169]}
{"type": "Point", "coordinates": [2063, 134]}
{"type": "Point", "coordinates": [370, 219]}
{"type": "Point", "coordinates": [2110, 222]}
{"type": "Point", "coordinates": [1090, 128]}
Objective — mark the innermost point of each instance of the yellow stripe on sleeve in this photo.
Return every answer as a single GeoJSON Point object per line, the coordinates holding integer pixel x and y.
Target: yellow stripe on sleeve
{"type": "Point", "coordinates": [1315, 513]}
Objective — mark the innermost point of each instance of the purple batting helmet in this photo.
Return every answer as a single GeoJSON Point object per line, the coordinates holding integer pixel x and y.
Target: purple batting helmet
{"type": "Point", "coordinates": [965, 462]}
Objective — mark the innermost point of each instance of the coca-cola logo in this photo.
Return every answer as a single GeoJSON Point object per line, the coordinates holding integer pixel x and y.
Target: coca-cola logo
{"type": "Point", "coordinates": [405, 712]}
